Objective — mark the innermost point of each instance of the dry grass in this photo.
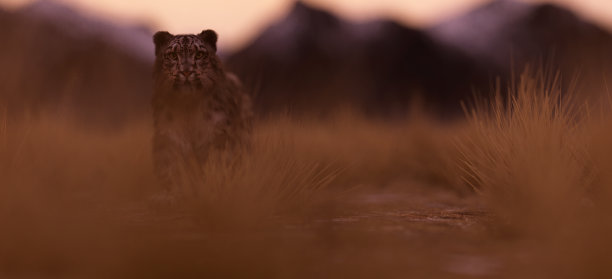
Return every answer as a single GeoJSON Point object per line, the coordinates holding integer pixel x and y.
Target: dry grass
{"type": "Point", "coordinates": [373, 152]}
{"type": "Point", "coordinates": [527, 153]}
{"type": "Point", "coordinates": [291, 164]}
{"type": "Point", "coordinates": [75, 199]}
{"type": "Point", "coordinates": [541, 161]}
{"type": "Point", "coordinates": [275, 176]}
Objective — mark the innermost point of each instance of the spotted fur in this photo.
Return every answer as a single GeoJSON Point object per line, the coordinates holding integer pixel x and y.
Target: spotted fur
{"type": "Point", "coordinates": [198, 108]}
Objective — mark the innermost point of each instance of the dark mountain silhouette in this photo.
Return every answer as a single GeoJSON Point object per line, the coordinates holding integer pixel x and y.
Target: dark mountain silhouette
{"type": "Point", "coordinates": [505, 32]}
{"type": "Point", "coordinates": [135, 40]}
{"type": "Point", "coordinates": [313, 61]}
{"type": "Point", "coordinates": [309, 61]}
{"type": "Point", "coordinates": [53, 57]}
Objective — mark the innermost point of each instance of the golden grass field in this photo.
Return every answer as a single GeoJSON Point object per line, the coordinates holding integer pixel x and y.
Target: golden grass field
{"type": "Point", "coordinates": [520, 189]}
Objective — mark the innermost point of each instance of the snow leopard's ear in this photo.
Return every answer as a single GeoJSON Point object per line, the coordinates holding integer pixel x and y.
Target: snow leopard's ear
{"type": "Point", "coordinates": [160, 39]}
{"type": "Point", "coordinates": [209, 37]}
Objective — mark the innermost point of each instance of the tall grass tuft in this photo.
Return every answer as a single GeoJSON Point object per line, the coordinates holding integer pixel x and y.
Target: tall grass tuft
{"type": "Point", "coordinates": [275, 176]}
{"type": "Point", "coordinates": [527, 152]}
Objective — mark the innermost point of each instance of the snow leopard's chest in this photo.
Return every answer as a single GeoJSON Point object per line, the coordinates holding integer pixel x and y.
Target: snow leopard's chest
{"type": "Point", "coordinates": [195, 133]}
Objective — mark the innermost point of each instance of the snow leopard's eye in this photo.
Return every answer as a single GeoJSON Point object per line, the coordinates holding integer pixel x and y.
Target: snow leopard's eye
{"type": "Point", "coordinates": [201, 55]}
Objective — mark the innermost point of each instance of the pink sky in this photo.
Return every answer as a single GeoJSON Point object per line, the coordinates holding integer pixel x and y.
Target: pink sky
{"type": "Point", "coordinates": [238, 20]}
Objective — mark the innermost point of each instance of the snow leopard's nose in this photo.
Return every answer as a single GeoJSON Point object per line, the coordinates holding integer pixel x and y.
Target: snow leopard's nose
{"type": "Point", "coordinates": [186, 68]}
{"type": "Point", "coordinates": [186, 73]}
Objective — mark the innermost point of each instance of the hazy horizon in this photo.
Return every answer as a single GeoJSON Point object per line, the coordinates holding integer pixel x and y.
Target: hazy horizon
{"type": "Point", "coordinates": [238, 21]}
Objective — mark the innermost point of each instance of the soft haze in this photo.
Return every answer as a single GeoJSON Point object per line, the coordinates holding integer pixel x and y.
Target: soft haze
{"type": "Point", "coordinates": [238, 20]}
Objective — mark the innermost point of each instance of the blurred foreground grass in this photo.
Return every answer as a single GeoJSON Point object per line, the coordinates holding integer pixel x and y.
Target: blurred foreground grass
{"type": "Point", "coordinates": [75, 200]}
{"type": "Point", "coordinates": [520, 189]}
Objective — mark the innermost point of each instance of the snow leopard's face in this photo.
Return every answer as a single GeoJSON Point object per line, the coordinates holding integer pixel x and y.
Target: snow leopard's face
{"type": "Point", "coordinates": [187, 61]}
